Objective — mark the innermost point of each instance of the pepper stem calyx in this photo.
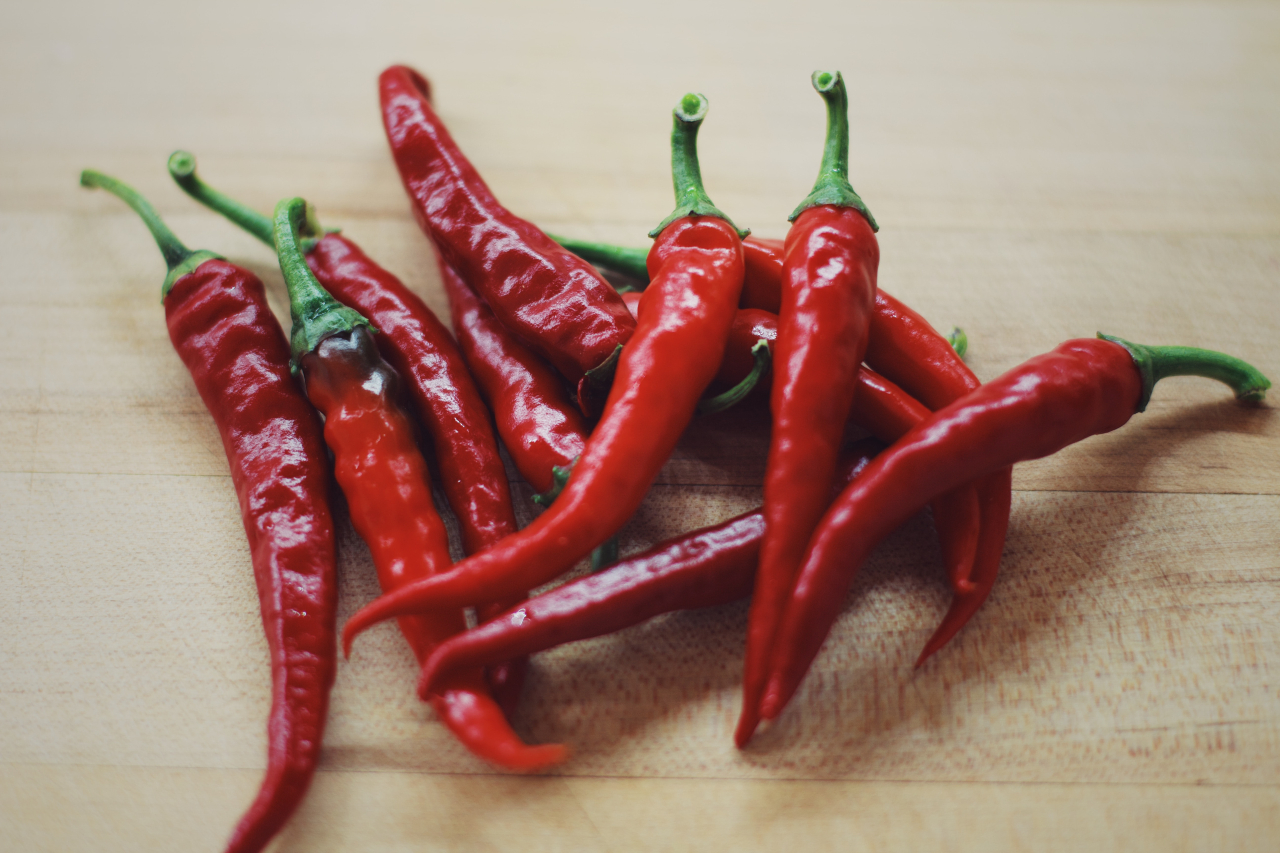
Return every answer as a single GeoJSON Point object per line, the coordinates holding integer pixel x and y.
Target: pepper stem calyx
{"type": "Point", "coordinates": [686, 175]}
{"type": "Point", "coordinates": [316, 314]}
{"type": "Point", "coordinates": [833, 187]}
{"type": "Point", "coordinates": [1155, 363]}
{"type": "Point", "coordinates": [177, 257]}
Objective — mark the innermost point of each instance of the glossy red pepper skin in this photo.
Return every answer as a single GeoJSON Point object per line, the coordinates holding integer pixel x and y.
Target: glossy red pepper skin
{"type": "Point", "coordinates": [696, 270]}
{"type": "Point", "coordinates": [540, 426]}
{"type": "Point", "coordinates": [828, 296]}
{"type": "Point", "coordinates": [762, 282]}
{"type": "Point", "coordinates": [387, 486]}
{"type": "Point", "coordinates": [885, 411]}
{"type": "Point", "coordinates": [906, 349]}
{"type": "Point", "coordinates": [224, 331]}
{"type": "Point", "coordinates": [419, 347]}
{"type": "Point", "coordinates": [711, 566]}
{"type": "Point", "coordinates": [924, 363]}
{"type": "Point", "coordinates": [1084, 387]}
{"type": "Point", "coordinates": [553, 301]}
{"type": "Point", "coordinates": [749, 326]}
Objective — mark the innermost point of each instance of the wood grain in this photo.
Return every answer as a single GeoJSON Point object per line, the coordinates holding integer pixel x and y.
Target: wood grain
{"type": "Point", "coordinates": [1042, 171]}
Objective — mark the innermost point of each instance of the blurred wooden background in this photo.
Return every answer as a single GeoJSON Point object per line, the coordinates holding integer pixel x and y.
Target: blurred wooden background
{"type": "Point", "coordinates": [1040, 171]}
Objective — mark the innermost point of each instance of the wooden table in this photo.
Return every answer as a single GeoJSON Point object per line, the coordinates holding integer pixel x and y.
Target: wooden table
{"type": "Point", "coordinates": [1040, 170]}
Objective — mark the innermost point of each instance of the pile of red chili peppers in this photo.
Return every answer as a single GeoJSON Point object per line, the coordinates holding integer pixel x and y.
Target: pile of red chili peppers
{"type": "Point", "coordinates": [590, 389]}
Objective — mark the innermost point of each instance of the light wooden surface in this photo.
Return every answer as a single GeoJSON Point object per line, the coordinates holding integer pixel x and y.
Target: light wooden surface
{"type": "Point", "coordinates": [1040, 170]}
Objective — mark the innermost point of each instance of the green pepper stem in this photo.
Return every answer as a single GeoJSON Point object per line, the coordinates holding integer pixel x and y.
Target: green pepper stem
{"type": "Point", "coordinates": [735, 395]}
{"type": "Point", "coordinates": [686, 174]}
{"type": "Point", "coordinates": [559, 479]}
{"type": "Point", "coordinates": [959, 340]}
{"type": "Point", "coordinates": [316, 314]}
{"type": "Point", "coordinates": [177, 257]}
{"type": "Point", "coordinates": [605, 554]}
{"type": "Point", "coordinates": [1155, 363]}
{"type": "Point", "coordinates": [182, 168]}
{"type": "Point", "coordinates": [832, 186]}
{"type": "Point", "coordinates": [628, 261]}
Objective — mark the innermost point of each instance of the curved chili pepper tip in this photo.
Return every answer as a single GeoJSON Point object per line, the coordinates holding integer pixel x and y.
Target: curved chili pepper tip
{"type": "Point", "coordinates": [177, 257]}
{"type": "Point", "coordinates": [686, 174]}
{"type": "Point", "coordinates": [1159, 362]}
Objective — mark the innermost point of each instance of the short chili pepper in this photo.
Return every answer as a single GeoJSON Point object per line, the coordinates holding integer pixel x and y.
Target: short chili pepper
{"type": "Point", "coordinates": [1083, 387]}
{"type": "Point", "coordinates": [554, 302]}
{"type": "Point", "coordinates": [224, 332]}
{"type": "Point", "coordinates": [696, 267]}
{"type": "Point", "coordinates": [711, 566]}
{"type": "Point", "coordinates": [828, 295]}
{"type": "Point", "coordinates": [386, 481]}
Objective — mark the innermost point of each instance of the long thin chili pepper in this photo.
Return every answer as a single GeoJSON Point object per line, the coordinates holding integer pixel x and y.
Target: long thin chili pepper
{"type": "Point", "coordinates": [542, 429]}
{"type": "Point", "coordinates": [714, 565]}
{"type": "Point", "coordinates": [552, 300]}
{"type": "Point", "coordinates": [418, 346]}
{"type": "Point", "coordinates": [828, 295]}
{"type": "Point", "coordinates": [1083, 387]}
{"type": "Point", "coordinates": [912, 354]}
{"type": "Point", "coordinates": [905, 348]}
{"type": "Point", "coordinates": [225, 334]}
{"type": "Point", "coordinates": [386, 482]}
{"type": "Point", "coordinates": [696, 266]}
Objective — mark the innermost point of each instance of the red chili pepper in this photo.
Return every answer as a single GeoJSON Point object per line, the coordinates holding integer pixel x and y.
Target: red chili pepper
{"type": "Point", "coordinates": [897, 335]}
{"type": "Point", "coordinates": [553, 301]}
{"type": "Point", "coordinates": [1082, 388]}
{"type": "Point", "coordinates": [542, 430]}
{"type": "Point", "coordinates": [828, 294]}
{"type": "Point", "coordinates": [696, 266]}
{"type": "Point", "coordinates": [224, 331]}
{"type": "Point", "coordinates": [419, 348]}
{"type": "Point", "coordinates": [711, 566]}
{"type": "Point", "coordinates": [915, 356]}
{"type": "Point", "coordinates": [386, 482]}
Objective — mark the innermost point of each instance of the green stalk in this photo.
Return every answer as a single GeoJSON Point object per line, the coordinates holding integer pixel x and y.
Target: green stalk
{"type": "Point", "coordinates": [627, 261]}
{"type": "Point", "coordinates": [832, 186]}
{"type": "Point", "coordinates": [182, 168]}
{"type": "Point", "coordinates": [559, 479]}
{"type": "Point", "coordinates": [177, 257]}
{"type": "Point", "coordinates": [959, 340]}
{"type": "Point", "coordinates": [605, 555]}
{"type": "Point", "coordinates": [316, 314]}
{"type": "Point", "coordinates": [686, 175]}
{"type": "Point", "coordinates": [1155, 363]}
{"type": "Point", "coordinates": [763, 358]}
